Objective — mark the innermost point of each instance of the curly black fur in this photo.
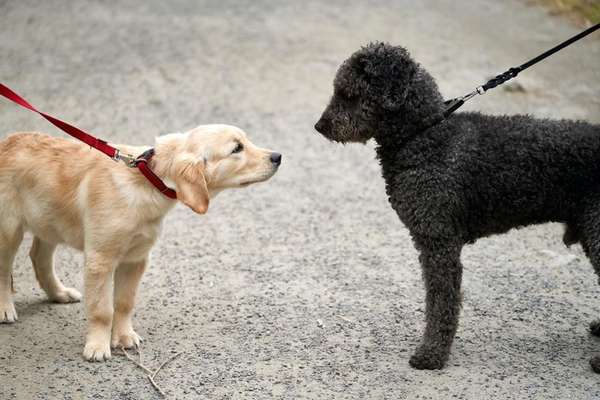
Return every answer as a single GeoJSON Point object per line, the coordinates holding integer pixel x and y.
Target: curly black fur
{"type": "Point", "coordinates": [470, 176]}
{"type": "Point", "coordinates": [595, 327]}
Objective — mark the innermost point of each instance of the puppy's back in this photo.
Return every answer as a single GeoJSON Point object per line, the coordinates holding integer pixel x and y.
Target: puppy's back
{"type": "Point", "coordinates": [41, 182]}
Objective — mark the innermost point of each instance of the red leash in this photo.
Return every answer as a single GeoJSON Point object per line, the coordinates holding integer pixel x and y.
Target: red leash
{"type": "Point", "coordinates": [141, 162]}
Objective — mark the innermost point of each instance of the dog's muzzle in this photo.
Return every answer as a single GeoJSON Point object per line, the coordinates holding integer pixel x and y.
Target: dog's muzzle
{"type": "Point", "coordinates": [323, 126]}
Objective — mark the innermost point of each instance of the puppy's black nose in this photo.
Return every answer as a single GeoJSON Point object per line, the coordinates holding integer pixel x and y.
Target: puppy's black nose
{"type": "Point", "coordinates": [276, 158]}
{"type": "Point", "coordinates": [321, 125]}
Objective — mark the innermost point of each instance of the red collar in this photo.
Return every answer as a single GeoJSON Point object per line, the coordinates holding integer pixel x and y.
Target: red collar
{"type": "Point", "coordinates": [141, 162]}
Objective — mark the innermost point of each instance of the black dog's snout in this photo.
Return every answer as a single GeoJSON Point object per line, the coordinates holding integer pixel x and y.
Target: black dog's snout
{"type": "Point", "coordinates": [276, 158]}
{"type": "Point", "coordinates": [322, 125]}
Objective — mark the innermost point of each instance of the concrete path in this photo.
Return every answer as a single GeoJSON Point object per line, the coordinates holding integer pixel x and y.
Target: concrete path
{"type": "Point", "coordinates": [306, 287]}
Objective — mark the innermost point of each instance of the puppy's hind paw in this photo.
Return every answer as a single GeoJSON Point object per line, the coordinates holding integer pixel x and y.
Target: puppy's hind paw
{"type": "Point", "coordinates": [96, 351]}
{"type": "Point", "coordinates": [67, 295]}
{"type": "Point", "coordinates": [427, 358]}
{"type": "Point", "coordinates": [126, 340]}
{"type": "Point", "coordinates": [8, 314]}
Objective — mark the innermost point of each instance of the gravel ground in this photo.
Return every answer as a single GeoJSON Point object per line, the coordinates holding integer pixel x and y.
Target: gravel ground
{"type": "Point", "coordinates": [306, 287]}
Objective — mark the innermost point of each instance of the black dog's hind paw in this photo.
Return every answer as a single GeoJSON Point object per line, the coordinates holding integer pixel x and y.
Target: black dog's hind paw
{"type": "Point", "coordinates": [595, 328]}
{"type": "Point", "coordinates": [428, 358]}
{"type": "Point", "coordinates": [595, 364]}
{"type": "Point", "coordinates": [571, 235]}
{"type": "Point", "coordinates": [595, 361]}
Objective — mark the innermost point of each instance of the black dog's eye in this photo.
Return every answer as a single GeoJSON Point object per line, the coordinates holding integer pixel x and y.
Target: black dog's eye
{"type": "Point", "coordinates": [238, 148]}
{"type": "Point", "coordinates": [342, 94]}
{"type": "Point", "coordinates": [347, 96]}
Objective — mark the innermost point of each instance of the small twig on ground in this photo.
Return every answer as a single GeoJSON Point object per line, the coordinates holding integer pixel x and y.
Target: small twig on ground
{"type": "Point", "coordinates": [149, 373]}
{"type": "Point", "coordinates": [165, 363]}
{"type": "Point", "coordinates": [139, 364]}
{"type": "Point", "coordinates": [151, 379]}
{"type": "Point", "coordinates": [346, 319]}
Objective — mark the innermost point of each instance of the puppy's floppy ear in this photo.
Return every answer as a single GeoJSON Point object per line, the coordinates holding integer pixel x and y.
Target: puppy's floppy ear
{"type": "Point", "coordinates": [192, 189]}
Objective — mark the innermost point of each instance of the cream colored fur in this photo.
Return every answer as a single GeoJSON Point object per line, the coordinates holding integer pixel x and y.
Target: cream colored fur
{"type": "Point", "coordinates": [64, 192]}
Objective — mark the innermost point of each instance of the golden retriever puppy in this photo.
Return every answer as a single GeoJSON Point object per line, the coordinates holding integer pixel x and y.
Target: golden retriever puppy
{"type": "Point", "coordinates": [64, 192]}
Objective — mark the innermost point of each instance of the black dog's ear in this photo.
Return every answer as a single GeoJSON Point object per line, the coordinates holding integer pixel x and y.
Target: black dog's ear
{"type": "Point", "coordinates": [362, 68]}
{"type": "Point", "coordinates": [394, 97]}
{"type": "Point", "coordinates": [395, 91]}
{"type": "Point", "coordinates": [390, 70]}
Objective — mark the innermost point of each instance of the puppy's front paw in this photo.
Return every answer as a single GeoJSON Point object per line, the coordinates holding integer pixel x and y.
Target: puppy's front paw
{"type": "Point", "coordinates": [8, 314]}
{"type": "Point", "coordinates": [96, 350]}
{"type": "Point", "coordinates": [128, 339]}
{"type": "Point", "coordinates": [67, 295]}
{"type": "Point", "coordinates": [427, 357]}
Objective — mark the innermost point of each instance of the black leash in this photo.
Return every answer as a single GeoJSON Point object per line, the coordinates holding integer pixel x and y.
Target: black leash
{"type": "Point", "coordinates": [455, 104]}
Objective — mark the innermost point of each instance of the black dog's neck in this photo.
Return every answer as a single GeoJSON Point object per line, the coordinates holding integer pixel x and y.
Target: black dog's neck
{"type": "Point", "coordinates": [396, 130]}
{"type": "Point", "coordinates": [421, 109]}
{"type": "Point", "coordinates": [397, 142]}
{"type": "Point", "coordinates": [401, 128]}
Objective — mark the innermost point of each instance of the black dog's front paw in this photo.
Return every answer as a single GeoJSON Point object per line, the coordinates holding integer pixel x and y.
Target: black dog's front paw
{"type": "Point", "coordinates": [427, 357]}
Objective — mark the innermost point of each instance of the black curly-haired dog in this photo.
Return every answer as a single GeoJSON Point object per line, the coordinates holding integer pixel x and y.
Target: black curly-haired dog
{"type": "Point", "coordinates": [470, 176]}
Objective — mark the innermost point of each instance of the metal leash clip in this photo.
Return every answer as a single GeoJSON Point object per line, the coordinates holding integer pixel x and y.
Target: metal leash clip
{"type": "Point", "coordinates": [128, 159]}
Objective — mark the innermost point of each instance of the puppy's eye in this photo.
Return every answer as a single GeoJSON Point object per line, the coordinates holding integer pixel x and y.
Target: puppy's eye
{"type": "Point", "coordinates": [238, 148]}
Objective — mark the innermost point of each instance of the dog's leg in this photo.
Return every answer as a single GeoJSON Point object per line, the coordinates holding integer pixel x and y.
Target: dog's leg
{"type": "Point", "coordinates": [98, 279]}
{"type": "Point", "coordinates": [590, 241]}
{"type": "Point", "coordinates": [42, 258]}
{"type": "Point", "coordinates": [10, 239]}
{"type": "Point", "coordinates": [127, 278]}
{"type": "Point", "coordinates": [442, 274]}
